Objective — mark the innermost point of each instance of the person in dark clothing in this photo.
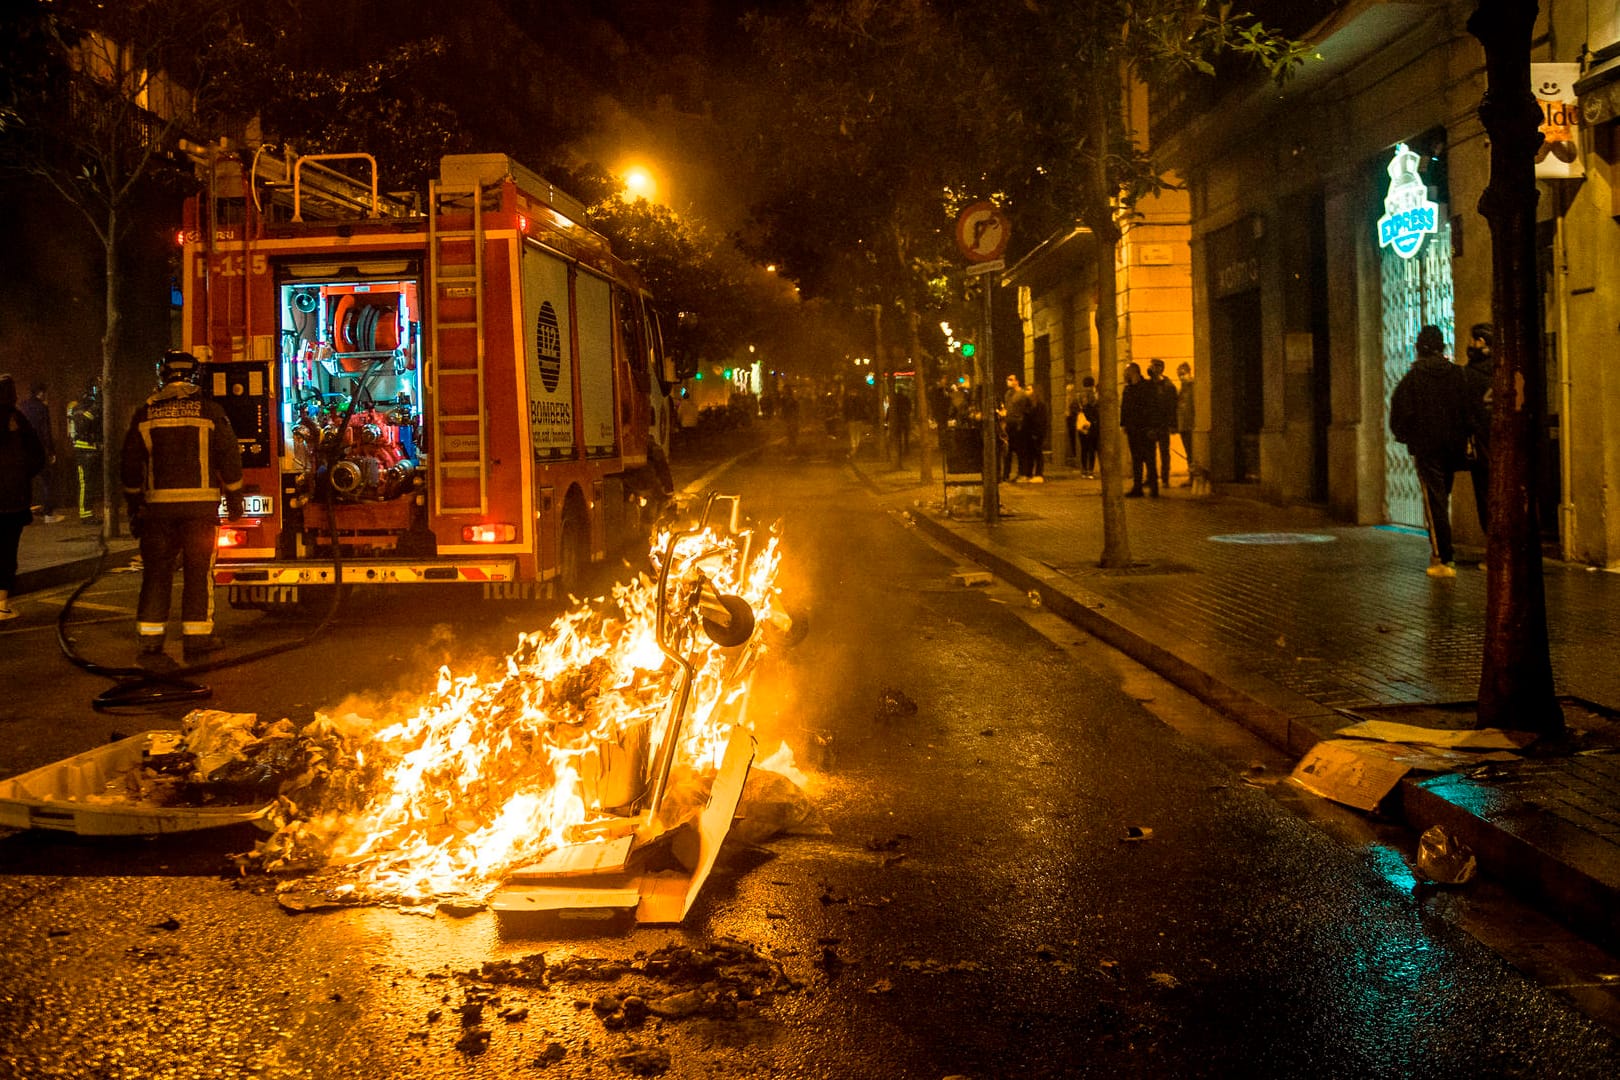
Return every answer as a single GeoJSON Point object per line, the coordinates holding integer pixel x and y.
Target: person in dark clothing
{"type": "Point", "coordinates": [1186, 412]}
{"type": "Point", "coordinates": [1038, 427]}
{"type": "Point", "coordinates": [179, 456]}
{"type": "Point", "coordinates": [22, 457]}
{"type": "Point", "coordinates": [790, 417]}
{"type": "Point", "coordinates": [900, 424]}
{"type": "Point", "coordinates": [1481, 370]}
{"type": "Point", "coordinates": [38, 411]}
{"type": "Point", "coordinates": [1016, 406]}
{"type": "Point", "coordinates": [1071, 423]}
{"type": "Point", "coordinates": [1090, 434]}
{"type": "Point", "coordinates": [1432, 412]}
{"type": "Point", "coordinates": [1139, 415]}
{"type": "Point", "coordinates": [1164, 401]}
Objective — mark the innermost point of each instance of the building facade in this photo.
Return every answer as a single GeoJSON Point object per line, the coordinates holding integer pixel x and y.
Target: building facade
{"type": "Point", "coordinates": [1332, 217]}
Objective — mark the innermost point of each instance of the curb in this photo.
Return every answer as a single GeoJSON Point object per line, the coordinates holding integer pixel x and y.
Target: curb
{"type": "Point", "coordinates": [71, 571]}
{"type": "Point", "coordinates": [1577, 884]}
{"type": "Point", "coordinates": [1285, 719]}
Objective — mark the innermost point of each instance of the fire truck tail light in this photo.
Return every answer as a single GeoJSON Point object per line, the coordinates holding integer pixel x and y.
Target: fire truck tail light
{"type": "Point", "coordinates": [488, 534]}
{"type": "Point", "coordinates": [230, 538]}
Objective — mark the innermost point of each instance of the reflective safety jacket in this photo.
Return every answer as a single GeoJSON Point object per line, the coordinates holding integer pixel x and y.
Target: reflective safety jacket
{"type": "Point", "coordinates": [180, 454]}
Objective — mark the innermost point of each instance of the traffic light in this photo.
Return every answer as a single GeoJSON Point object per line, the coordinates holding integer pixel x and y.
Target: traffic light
{"type": "Point", "coordinates": [968, 349]}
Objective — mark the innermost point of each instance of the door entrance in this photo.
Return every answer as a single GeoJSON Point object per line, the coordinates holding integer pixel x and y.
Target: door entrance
{"type": "Point", "coordinates": [1416, 293]}
{"type": "Point", "coordinates": [1236, 331]}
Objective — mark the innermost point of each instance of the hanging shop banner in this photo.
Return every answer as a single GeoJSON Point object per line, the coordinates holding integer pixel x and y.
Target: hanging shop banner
{"type": "Point", "coordinates": [1410, 216]}
{"type": "Point", "coordinates": [1554, 87]}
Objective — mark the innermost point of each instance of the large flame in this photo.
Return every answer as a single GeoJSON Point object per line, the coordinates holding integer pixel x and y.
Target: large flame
{"type": "Point", "coordinates": [486, 775]}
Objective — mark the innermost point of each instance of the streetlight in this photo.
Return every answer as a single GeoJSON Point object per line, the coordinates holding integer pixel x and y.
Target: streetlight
{"type": "Point", "coordinates": [639, 183]}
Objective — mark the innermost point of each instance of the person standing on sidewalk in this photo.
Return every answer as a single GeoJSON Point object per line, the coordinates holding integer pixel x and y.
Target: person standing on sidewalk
{"type": "Point", "coordinates": [1039, 424]}
{"type": "Point", "coordinates": [179, 455]}
{"type": "Point", "coordinates": [1432, 412]}
{"type": "Point", "coordinates": [1071, 423]}
{"type": "Point", "coordinates": [1015, 407]}
{"type": "Point", "coordinates": [1164, 421]}
{"type": "Point", "coordinates": [1138, 415]}
{"type": "Point", "coordinates": [900, 425]}
{"type": "Point", "coordinates": [1089, 433]}
{"type": "Point", "coordinates": [38, 411]}
{"type": "Point", "coordinates": [22, 457]}
{"type": "Point", "coordinates": [1481, 370]}
{"type": "Point", "coordinates": [1185, 415]}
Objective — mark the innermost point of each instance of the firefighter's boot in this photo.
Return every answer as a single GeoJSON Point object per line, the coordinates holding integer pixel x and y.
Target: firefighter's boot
{"type": "Point", "coordinates": [152, 657]}
{"type": "Point", "coordinates": [198, 647]}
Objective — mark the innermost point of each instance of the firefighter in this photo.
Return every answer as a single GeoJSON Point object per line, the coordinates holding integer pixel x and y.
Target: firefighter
{"type": "Point", "coordinates": [84, 431]}
{"type": "Point", "coordinates": [179, 454]}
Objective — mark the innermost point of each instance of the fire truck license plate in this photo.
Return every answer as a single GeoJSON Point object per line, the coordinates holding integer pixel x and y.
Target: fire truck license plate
{"type": "Point", "coordinates": [253, 506]}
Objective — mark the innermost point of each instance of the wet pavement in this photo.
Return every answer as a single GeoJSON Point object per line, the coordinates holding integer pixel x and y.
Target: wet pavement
{"type": "Point", "coordinates": [976, 904]}
{"type": "Point", "coordinates": [1287, 619]}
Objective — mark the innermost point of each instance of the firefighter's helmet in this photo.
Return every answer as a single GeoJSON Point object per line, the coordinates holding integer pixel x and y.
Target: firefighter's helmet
{"type": "Point", "coordinates": [178, 367]}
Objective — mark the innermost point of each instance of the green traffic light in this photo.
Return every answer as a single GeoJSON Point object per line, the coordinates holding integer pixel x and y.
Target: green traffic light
{"type": "Point", "coordinates": [728, 373]}
{"type": "Point", "coordinates": [698, 375]}
{"type": "Point", "coordinates": [968, 348]}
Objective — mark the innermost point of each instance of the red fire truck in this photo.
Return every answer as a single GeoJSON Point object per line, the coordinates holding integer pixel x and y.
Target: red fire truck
{"type": "Point", "coordinates": [466, 390]}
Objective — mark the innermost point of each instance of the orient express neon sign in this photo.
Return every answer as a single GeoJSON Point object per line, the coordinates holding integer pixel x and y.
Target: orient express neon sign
{"type": "Point", "coordinates": [1409, 216]}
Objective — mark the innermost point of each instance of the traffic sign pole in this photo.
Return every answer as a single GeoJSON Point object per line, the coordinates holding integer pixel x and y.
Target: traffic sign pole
{"type": "Point", "coordinates": [987, 369]}
{"type": "Point", "coordinates": [982, 232]}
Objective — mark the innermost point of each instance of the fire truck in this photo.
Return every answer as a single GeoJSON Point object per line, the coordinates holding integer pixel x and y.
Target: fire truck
{"type": "Point", "coordinates": [466, 390]}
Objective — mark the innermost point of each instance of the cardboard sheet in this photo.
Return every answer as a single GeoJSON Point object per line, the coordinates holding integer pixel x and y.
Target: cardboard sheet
{"type": "Point", "coordinates": [1348, 773]}
{"type": "Point", "coordinates": [1481, 739]}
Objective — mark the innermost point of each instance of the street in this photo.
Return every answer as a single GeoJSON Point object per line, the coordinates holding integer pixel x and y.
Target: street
{"type": "Point", "coordinates": [1019, 870]}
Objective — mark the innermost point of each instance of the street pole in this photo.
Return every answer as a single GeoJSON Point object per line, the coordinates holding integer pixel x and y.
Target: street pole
{"type": "Point", "coordinates": [985, 357]}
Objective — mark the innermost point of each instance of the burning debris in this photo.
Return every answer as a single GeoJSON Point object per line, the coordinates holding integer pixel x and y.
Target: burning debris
{"type": "Point", "coordinates": [586, 737]}
{"type": "Point", "coordinates": [618, 732]}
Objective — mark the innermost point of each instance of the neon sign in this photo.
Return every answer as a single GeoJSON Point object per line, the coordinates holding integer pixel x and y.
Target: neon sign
{"type": "Point", "coordinates": [1409, 216]}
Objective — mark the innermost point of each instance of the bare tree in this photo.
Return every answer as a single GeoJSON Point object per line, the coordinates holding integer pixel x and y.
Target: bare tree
{"type": "Point", "coordinates": [107, 92]}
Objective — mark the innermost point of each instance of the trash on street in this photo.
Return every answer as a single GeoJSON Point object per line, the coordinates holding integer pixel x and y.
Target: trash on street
{"type": "Point", "coordinates": [1443, 858]}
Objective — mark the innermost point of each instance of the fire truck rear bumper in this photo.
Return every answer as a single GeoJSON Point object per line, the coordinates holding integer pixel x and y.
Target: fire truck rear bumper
{"type": "Point", "coordinates": [370, 572]}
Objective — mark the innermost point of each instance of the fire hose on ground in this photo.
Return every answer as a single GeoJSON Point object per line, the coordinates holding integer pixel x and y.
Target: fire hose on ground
{"type": "Point", "coordinates": [138, 687]}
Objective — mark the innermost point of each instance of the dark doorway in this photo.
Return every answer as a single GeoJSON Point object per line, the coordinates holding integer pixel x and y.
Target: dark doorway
{"type": "Point", "coordinates": [1240, 410]}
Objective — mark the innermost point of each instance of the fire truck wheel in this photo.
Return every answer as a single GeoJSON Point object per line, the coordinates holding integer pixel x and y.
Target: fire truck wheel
{"type": "Point", "coordinates": [573, 550]}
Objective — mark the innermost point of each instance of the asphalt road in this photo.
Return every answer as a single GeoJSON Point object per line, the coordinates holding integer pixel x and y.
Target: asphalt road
{"type": "Point", "coordinates": [1026, 875]}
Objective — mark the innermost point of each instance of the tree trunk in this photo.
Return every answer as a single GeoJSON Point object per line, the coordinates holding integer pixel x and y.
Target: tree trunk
{"type": "Point", "coordinates": [921, 385]}
{"type": "Point", "coordinates": [1516, 680]}
{"type": "Point", "coordinates": [111, 485]}
{"type": "Point", "coordinates": [1116, 553]}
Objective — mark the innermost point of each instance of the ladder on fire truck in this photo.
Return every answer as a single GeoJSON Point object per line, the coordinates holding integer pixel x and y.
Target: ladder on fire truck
{"type": "Point", "coordinates": [456, 365]}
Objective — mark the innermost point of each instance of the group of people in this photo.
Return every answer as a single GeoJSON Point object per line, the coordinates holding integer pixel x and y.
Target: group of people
{"type": "Point", "coordinates": [27, 460]}
{"type": "Point", "coordinates": [1150, 408]}
{"type": "Point", "coordinates": [84, 433]}
{"type": "Point", "coordinates": [1025, 423]}
{"type": "Point", "coordinates": [1442, 413]}
{"type": "Point", "coordinates": [180, 456]}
